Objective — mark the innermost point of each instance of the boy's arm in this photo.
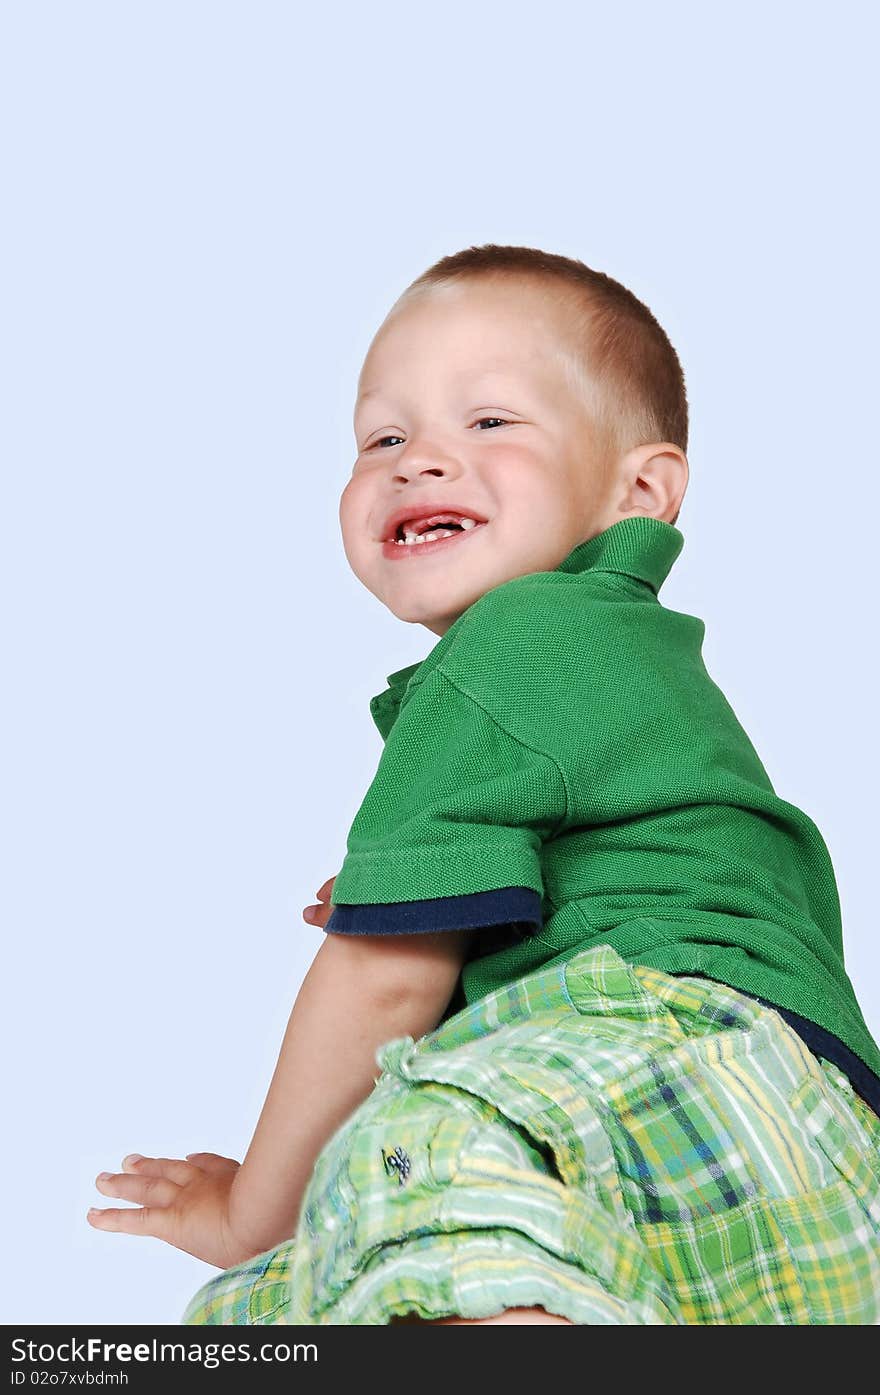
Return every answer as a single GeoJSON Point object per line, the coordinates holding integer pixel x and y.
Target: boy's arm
{"type": "Point", "coordinates": [359, 992]}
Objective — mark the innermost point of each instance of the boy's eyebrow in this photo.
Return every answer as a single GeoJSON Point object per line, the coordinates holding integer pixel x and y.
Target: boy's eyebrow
{"type": "Point", "coordinates": [492, 370]}
{"type": "Point", "coordinates": [370, 392]}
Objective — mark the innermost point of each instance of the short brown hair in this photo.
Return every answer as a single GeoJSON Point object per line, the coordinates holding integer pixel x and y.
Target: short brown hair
{"type": "Point", "coordinates": [622, 360]}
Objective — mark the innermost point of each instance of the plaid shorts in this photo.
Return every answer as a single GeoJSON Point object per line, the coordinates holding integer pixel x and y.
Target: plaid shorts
{"type": "Point", "coordinates": [600, 1139]}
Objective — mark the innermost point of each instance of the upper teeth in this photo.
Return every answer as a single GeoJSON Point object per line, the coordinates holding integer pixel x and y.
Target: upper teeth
{"type": "Point", "coordinates": [410, 536]}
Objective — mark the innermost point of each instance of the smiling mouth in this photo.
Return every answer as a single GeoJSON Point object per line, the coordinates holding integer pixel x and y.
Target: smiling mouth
{"type": "Point", "coordinates": [426, 544]}
{"type": "Point", "coordinates": [407, 538]}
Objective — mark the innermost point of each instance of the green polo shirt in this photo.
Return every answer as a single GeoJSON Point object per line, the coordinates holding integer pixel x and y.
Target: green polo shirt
{"type": "Point", "coordinates": [561, 771]}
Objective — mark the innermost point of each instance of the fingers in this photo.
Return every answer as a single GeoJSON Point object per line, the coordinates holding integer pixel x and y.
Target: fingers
{"type": "Point", "coordinates": [152, 1182]}
{"type": "Point", "coordinates": [134, 1221]}
{"type": "Point", "coordinates": [158, 1191]}
{"type": "Point", "coordinates": [213, 1162]}
{"type": "Point", "coordinates": [175, 1169]}
{"type": "Point", "coordinates": [313, 913]}
{"type": "Point", "coordinates": [320, 914]}
{"type": "Point", "coordinates": [317, 915]}
{"type": "Point", "coordinates": [142, 1180]}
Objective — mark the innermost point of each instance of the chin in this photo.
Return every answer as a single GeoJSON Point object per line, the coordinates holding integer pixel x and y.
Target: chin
{"type": "Point", "coordinates": [415, 612]}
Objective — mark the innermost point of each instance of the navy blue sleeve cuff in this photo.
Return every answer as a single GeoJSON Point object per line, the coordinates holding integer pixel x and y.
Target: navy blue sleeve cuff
{"type": "Point", "coordinates": [512, 906]}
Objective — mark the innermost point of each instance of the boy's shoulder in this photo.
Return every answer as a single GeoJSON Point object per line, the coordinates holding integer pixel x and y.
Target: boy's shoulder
{"type": "Point", "coordinates": [540, 651]}
{"type": "Point", "coordinates": [542, 622]}
{"type": "Point", "coordinates": [559, 661]}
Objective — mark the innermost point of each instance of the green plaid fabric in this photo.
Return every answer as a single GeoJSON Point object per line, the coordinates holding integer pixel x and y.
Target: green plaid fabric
{"type": "Point", "coordinates": [604, 1140]}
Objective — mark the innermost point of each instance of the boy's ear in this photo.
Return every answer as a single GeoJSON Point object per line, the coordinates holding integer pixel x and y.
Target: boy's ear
{"type": "Point", "coordinates": [653, 479]}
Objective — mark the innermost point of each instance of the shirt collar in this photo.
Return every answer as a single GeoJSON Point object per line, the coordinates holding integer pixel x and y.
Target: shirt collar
{"type": "Point", "coordinates": [640, 546]}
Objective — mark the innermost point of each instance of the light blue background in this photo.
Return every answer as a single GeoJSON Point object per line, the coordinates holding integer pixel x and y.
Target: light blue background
{"type": "Point", "coordinates": [208, 209]}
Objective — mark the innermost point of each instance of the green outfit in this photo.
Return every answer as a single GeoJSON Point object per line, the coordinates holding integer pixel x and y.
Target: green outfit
{"type": "Point", "coordinates": [564, 736]}
{"type": "Point", "coordinates": [608, 1122]}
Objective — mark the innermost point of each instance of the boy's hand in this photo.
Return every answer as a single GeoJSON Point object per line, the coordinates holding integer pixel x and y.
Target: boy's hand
{"type": "Point", "coordinates": [185, 1202]}
{"type": "Point", "coordinates": [319, 915]}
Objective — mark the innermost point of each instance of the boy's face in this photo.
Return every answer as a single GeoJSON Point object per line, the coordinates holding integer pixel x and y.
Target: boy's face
{"type": "Point", "coordinates": [464, 405]}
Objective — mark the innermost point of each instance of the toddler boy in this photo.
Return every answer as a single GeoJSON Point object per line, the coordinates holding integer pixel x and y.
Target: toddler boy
{"type": "Point", "coordinates": [624, 1075]}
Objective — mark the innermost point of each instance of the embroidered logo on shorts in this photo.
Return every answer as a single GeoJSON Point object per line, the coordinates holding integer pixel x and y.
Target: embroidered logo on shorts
{"type": "Point", "coordinates": [398, 1162]}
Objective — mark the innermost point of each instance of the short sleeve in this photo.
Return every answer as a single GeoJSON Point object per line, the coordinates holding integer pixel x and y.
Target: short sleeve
{"type": "Point", "coordinates": [449, 833]}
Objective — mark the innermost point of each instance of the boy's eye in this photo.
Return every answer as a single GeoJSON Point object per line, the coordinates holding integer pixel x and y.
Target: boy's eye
{"type": "Point", "coordinates": [500, 420]}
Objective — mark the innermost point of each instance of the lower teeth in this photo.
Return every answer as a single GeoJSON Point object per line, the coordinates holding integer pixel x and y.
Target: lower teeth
{"type": "Point", "coordinates": [428, 537]}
